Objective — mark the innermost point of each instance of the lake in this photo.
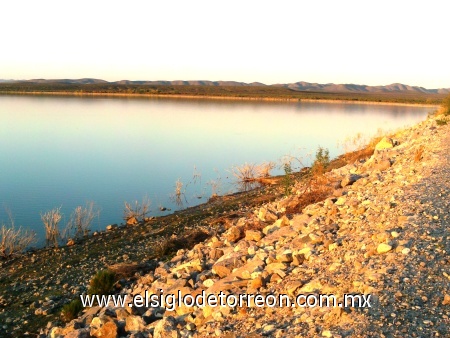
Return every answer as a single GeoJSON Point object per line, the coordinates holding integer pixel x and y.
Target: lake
{"type": "Point", "coordinates": [65, 151]}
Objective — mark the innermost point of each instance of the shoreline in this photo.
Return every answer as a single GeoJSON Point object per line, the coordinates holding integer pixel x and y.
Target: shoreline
{"type": "Point", "coordinates": [216, 97]}
{"type": "Point", "coordinates": [383, 223]}
{"type": "Point", "coordinates": [59, 274]}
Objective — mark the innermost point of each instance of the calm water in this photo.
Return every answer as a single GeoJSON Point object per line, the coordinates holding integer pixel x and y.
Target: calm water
{"type": "Point", "coordinates": [65, 151]}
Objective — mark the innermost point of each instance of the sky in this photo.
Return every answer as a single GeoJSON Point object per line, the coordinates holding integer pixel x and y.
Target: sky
{"type": "Point", "coordinates": [361, 42]}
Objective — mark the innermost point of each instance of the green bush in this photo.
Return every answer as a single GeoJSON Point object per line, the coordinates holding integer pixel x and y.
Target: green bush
{"type": "Point", "coordinates": [441, 122]}
{"type": "Point", "coordinates": [322, 160]}
{"type": "Point", "coordinates": [102, 283]}
{"type": "Point", "coordinates": [288, 180]}
{"type": "Point", "coordinates": [70, 311]}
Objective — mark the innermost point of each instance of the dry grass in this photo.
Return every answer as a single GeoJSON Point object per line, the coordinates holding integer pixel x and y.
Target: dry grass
{"type": "Point", "coordinates": [174, 243]}
{"type": "Point", "coordinates": [314, 188]}
{"type": "Point", "coordinates": [137, 210]}
{"type": "Point", "coordinates": [51, 220]}
{"type": "Point", "coordinates": [14, 241]}
{"type": "Point", "coordinates": [179, 193]}
{"type": "Point", "coordinates": [127, 270]}
{"type": "Point", "coordinates": [250, 172]}
{"type": "Point", "coordinates": [81, 220]}
{"type": "Point", "coordinates": [418, 155]}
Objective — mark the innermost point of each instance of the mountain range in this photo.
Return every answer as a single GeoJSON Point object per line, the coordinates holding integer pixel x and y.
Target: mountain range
{"type": "Point", "coordinates": [296, 86]}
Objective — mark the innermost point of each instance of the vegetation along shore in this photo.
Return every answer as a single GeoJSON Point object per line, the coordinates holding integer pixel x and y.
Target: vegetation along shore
{"type": "Point", "coordinates": [374, 221]}
{"type": "Point", "coordinates": [198, 89]}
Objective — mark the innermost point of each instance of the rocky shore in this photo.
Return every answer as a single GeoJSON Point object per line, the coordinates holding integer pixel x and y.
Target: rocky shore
{"type": "Point", "coordinates": [383, 231]}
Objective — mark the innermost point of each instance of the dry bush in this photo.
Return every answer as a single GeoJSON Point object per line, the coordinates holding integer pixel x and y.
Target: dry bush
{"type": "Point", "coordinates": [14, 241]}
{"type": "Point", "coordinates": [81, 220]}
{"type": "Point", "coordinates": [137, 210]}
{"type": "Point", "coordinates": [51, 220]}
{"type": "Point", "coordinates": [162, 247]}
{"type": "Point", "coordinates": [250, 172]}
{"type": "Point", "coordinates": [215, 187]}
{"type": "Point", "coordinates": [179, 193]}
{"type": "Point", "coordinates": [127, 270]}
{"type": "Point", "coordinates": [314, 188]}
{"type": "Point", "coordinates": [174, 243]}
{"type": "Point", "coordinates": [197, 175]}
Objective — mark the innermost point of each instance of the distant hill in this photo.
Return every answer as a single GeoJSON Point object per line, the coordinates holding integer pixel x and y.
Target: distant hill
{"type": "Point", "coordinates": [66, 81]}
{"type": "Point", "coordinates": [297, 86]}
{"type": "Point", "coordinates": [353, 88]}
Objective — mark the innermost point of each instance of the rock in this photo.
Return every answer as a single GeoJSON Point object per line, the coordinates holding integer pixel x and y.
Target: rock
{"type": "Point", "coordinates": [446, 300]}
{"type": "Point", "coordinates": [349, 180]}
{"type": "Point", "coordinates": [134, 324]}
{"type": "Point", "coordinates": [132, 221]}
{"type": "Point", "coordinates": [234, 234]}
{"type": "Point", "coordinates": [385, 143]}
{"type": "Point", "coordinates": [292, 287]}
{"type": "Point", "coordinates": [268, 329]}
{"type": "Point", "coordinates": [266, 215]}
{"type": "Point", "coordinates": [284, 257]}
{"type": "Point", "coordinates": [282, 222]}
{"type": "Point", "coordinates": [253, 235]}
{"type": "Point", "coordinates": [382, 165]}
{"type": "Point", "coordinates": [103, 327]}
{"type": "Point", "coordinates": [257, 283]}
{"type": "Point", "coordinates": [327, 334]}
{"type": "Point", "coordinates": [165, 328]}
{"type": "Point", "coordinates": [297, 259]}
{"type": "Point", "coordinates": [275, 267]}
{"type": "Point", "coordinates": [82, 333]}
{"type": "Point", "coordinates": [225, 265]}
{"type": "Point", "coordinates": [215, 254]}
{"type": "Point", "coordinates": [383, 248]}
{"type": "Point", "coordinates": [153, 314]}
{"type": "Point", "coordinates": [111, 227]}
{"type": "Point", "coordinates": [406, 251]}
{"type": "Point", "coordinates": [340, 201]}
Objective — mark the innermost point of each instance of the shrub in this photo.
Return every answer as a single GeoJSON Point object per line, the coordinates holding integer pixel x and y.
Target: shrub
{"type": "Point", "coordinates": [137, 210]}
{"type": "Point", "coordinates": [250, 172]}
{"type": "Point", "coordinates": [179, 193]}
{"type": "Point", "coordinates": [51, 220]}
{"type": "Point", "coordinates": [102, 283]}
{"type": "Point", "coordinates": [71, 310]}
{"type": "Point", "coordinates": [127, 270]}
{"type": "Point", "coordinates": [441, 122]}
{"type": "Point", "coordinates": [288, 180]}
{"type": "Point", "coordinates": [81, 220]}
{"type": "Point", "coordinates": [322, 160]}
{"type": "Point", "coordinates": [14, 241]}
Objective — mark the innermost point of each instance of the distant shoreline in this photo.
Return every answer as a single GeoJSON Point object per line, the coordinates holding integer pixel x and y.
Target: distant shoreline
{"type": "Point", "coordinates": [216, 97]}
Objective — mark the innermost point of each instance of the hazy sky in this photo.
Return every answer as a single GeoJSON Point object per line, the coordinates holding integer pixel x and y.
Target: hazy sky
{"type": "Point", "coordinates": [364, 42]}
